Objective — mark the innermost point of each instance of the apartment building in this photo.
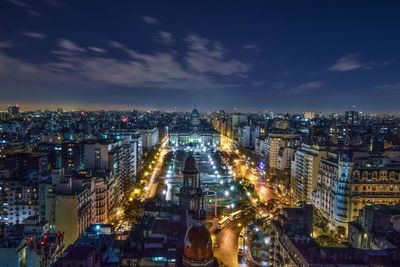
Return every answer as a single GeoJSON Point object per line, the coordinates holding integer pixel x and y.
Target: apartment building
{"type": "Point", "coordinates": [347, 181]}
{"type": "Point", "coordinates": [276, 141]}
{"type": "Point", "coordinates": [304, 173]}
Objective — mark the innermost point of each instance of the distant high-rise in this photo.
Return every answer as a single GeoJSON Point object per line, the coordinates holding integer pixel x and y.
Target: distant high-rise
{"type": "Point", "coordinates": [13, 110]}
{"type": "Point", "coordinates": [309, 115]}
{"type": "Point", "coordinates": [352, 117]}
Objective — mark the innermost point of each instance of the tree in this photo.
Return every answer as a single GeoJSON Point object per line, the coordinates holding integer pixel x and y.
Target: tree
{"type": "Point", "coordinates": [132, 211]}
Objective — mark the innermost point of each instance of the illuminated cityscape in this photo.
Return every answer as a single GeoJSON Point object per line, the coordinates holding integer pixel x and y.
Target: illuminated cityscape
{"type": "Point", "coordinates": [199, 134]}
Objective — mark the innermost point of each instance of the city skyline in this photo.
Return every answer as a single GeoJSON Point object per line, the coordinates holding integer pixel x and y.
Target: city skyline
{"type": "Point", "coordinates": [199, 133]}
{"type": "Point", "coordinates": [285, 57]}
{"type": "Point", "coordinates": [127, 108]}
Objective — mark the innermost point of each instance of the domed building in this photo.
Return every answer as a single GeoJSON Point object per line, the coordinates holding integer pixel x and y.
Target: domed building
{"type": "Point", "coordinates": [195, 118]}
{"type": "Point", "coordinates": [197, 244]}
{"type": "Point", "coordinates": [197, 250]}
{"type": "Point", "coordinates": [194, 133]}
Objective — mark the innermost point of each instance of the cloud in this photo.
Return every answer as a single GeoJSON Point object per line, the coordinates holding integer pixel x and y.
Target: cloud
{"type": "Point", "coordinates": [252, 47]}
{"type": "Point", "coordinates": [305, 88]}
{"type": "Point", "coordinates": [69, 45]}
{"type": "Point", "coordinates": [387, 88]}
{"type": "Point", "coordinates": [18, 3]}
{"type": "Point", "coordinates": [116, 44]}
{"type": "Point", "coordinates": [160, 70]}
{"type": "Point", "coordinates": [32, 13]}
{"type": "Point", "coordinates": [139, 69]}
{"type": "Point", "coordinates": [27, 7]}
{"type": "Point", "coordinates": [6, 44]}
{"type": "Point", "coordinates": [11, 70]}
{"type": "Point", "coordinates": [34, 35]}
{"type": "Point", "coordinates": [258, 83]}
{"type": "Point", "coordinates": [347, 63]}
{"type": "Point", "coordinates": [55, 3]}
{"type": "Point", "coordinates": [97, 49]}
{"type": "Point", "coordinates": [165, 38]}
{"type": "Point", "coordinates": [149, 20]}
{"type": "Point", "coordinates": [210, 57]}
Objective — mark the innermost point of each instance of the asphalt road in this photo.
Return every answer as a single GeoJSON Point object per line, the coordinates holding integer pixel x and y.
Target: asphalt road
{"type": "Point", "coordinates": [263, 191]}
{"type": "Point", "coordinates": [226, 250]}
{"type": "Point", "coordinates": [152, 185]}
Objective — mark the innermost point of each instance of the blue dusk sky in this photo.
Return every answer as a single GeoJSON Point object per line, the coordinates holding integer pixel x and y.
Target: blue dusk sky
{"type": "Point", "coordinates": [285, 56]}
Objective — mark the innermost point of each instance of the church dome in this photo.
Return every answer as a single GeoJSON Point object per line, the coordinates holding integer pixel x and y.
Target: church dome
{"type": "Point", "coordinates": [198, 244]}
{"type": "Point", "coordinates": [190, 164]}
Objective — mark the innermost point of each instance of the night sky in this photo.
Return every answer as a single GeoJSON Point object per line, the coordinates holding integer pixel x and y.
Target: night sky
{"type": "Point", "coordinates": [285, 56]}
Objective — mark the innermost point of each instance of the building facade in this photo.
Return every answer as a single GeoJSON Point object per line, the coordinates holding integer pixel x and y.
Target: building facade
{"type": "Point", "coordinates": [305, 167]}
{"type": "Point", "coordinates": [347, 182]}
{"type": "Point", "coordinates": [150, 138]}
{"type": "Point", "coordinates": [276, 141]}
{"type": "Point", "coordinates": [194, 134]}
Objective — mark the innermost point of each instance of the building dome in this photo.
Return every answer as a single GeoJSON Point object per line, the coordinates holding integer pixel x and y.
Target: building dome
{"type": "Point", "coordinates": [195, 113]}
{"type": "Point", "coordinates": [198, 244]}
{"type": "Point", "coordinates": [195, 118]}
{"type": "Point", "coordinates": [190, 165]}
